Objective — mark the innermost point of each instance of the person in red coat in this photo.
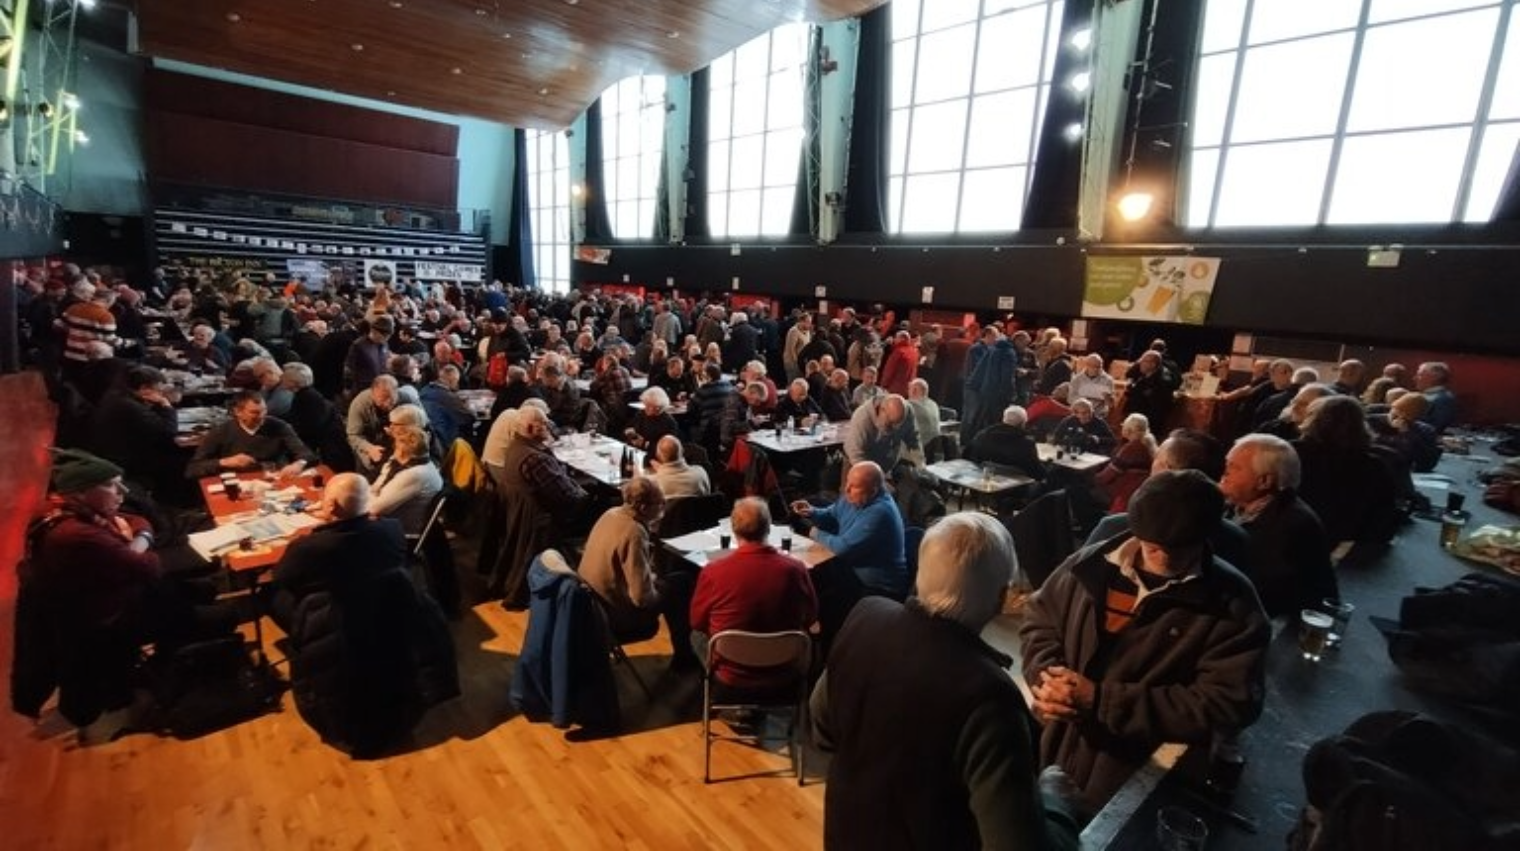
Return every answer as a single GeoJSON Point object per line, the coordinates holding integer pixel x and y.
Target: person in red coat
{"type": "Point", "coordinates": [901, 365]}
{"type": "Point", "coordinates": [756, 588]}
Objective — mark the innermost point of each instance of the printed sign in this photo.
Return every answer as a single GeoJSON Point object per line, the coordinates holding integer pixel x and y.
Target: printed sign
{"type": "Point", "coordinates": [1170, 289]}
{"type": "Point", "coordinates": [449, 271]}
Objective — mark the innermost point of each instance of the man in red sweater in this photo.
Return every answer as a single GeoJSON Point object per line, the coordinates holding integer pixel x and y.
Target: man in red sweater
{"type": "Point", "coordinates": [755, 588]}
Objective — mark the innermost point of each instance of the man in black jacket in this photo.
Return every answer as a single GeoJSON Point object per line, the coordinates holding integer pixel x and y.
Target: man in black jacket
{"type": "Point", "coordinates": [134, 428]}
{"type": "Point", "coordinates": [922, 716]}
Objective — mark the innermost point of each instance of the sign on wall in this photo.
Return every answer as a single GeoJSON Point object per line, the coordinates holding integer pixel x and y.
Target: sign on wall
{"type": "Point", "coordinates": [448, 271]}
{"type": "Point", "coordinates": [1170, 289]}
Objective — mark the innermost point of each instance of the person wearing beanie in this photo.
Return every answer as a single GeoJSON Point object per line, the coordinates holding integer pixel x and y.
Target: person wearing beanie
{"type": "Point", "coordinates": [1144, 639]}
{"type": "Point", "coordinates": [95, 592]}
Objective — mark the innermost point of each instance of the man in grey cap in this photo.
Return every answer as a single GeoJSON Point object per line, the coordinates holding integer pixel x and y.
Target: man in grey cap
{"type": "Point", "coordinates": [1144, 639]}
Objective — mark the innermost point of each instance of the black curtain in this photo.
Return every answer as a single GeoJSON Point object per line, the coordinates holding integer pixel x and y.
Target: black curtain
{"type": "Point", "coordinates": [805, 201]}
{"type": "Point", "coordinates": [519, 261]}
{"type": "Point", "coordinates": [695, 174]}
{"type": "Point", "coordinates": [871, 131]}
{"type": "Point", "coordinates": [598, 226]}
{"type": "Point", "coordinates": [1507, 209]}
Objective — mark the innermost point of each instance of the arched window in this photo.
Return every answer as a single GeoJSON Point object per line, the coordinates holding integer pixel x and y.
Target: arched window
{"type": "Point", "coordinates": [633, 140]}
{"type": "Point", "coordinates": [754, 134]}
{"type": "Point", "coordinates": [1363, 112]}
{"type": "Point", "coordinates": [549, 207]}
{"type": "Point", "coordinates": [970, 79]}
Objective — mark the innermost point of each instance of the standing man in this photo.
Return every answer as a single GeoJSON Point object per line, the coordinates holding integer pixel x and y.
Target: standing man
{"type": "Point", "coordinates": [879, 432]}
{"type": "Point", "coordinates": [1144, 639]}
{"type": "Point", "coordinates": [932, 741]}
{"type": "Point", "coordinates": [797, 338]}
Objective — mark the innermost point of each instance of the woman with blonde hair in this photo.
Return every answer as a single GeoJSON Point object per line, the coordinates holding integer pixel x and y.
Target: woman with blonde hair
{"type": "Point", "coordinates": [1130, 464]}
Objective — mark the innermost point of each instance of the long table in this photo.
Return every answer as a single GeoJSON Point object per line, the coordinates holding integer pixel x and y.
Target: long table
{"type": "Point", "coordinates": [825, 436]}
{"type": "Point", "coordinates": [706, 546]}
{"type": "Point", "coordinates": [254, 489]}
{"type": "Point", "coordinates": [598, 457]}
{"type": "Point", "coordinates": [1084, 462]}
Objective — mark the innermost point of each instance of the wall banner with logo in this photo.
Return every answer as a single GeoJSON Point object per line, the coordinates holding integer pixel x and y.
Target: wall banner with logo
{"type": "Point", "coordinates": [1170, 289]}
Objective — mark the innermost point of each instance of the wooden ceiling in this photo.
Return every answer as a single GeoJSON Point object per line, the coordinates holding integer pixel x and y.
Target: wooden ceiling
{"type": "Point", "coordinates": [527, 63]}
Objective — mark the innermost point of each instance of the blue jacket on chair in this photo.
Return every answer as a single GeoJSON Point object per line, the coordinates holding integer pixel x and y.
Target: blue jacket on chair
{"type": "Point", "coordinates": [564, 673]}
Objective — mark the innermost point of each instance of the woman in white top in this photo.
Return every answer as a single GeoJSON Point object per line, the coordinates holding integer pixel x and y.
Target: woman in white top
{"type": "Point", "coordinates": [408, 481]}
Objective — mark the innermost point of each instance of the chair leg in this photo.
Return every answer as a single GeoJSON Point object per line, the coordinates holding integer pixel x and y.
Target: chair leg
{"type": "Point", "coordinates": [621, 656]}
{"type": "Point", "coordinates": [706, 730]}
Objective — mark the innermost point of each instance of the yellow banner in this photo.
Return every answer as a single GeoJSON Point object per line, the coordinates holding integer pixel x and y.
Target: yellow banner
{"type": "Point", "coordinates": [1170, 289]}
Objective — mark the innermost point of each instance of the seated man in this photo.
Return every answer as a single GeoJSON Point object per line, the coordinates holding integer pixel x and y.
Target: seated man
{"type": "Point", "coordinates": [834, 396]}
{"type": "Point", "coordinates": [798, 406]}
{"type": "Point", "coordinates": [864, 530]}
{"type": "Point", "coordinates": [674, 475]}
{"type": "Point", "coordinates": [880, 432]}
{"type": "Point", "coordinates": [134, 428]}
{"type": "Point", "coordinates": [448, 415]}
{"type": "Point", "coordinates": [918, 675]}
{"type": "Point", "coordinates": [368, 653]}
{"type": "Point", "coordinates": [249, 440]}
{"type": "Point", "coordinates": [1139, 672]}
{"type": "Point", "coordinates": [617, 564]}
{"type": "Point", "coordinates": [368, 416]}
{"type": "Point", "coordinates": [1288, 551]}
{"type": "Point", "coordinates": [94, 595]}
{"type": "Point", "coordinates": [754, 588]}
{"type": "Point", "coordinates": [1007, 443]}
{"type": "Point", "coordinates": [540, 500]}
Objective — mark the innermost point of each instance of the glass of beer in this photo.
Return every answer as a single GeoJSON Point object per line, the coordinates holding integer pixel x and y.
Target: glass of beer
{"type": "Point", "coordinates": [1314, 634]}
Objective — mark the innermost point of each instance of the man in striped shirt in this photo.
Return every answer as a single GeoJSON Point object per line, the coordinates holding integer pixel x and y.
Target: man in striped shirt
{"type": "Point", "coordinates": [1144, 639]}
{"type": "Point", "coordinates": [90, 340]}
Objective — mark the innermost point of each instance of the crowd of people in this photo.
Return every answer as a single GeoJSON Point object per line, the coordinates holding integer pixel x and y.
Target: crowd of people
{"type": "Point", "coordinates": [1153, 631]}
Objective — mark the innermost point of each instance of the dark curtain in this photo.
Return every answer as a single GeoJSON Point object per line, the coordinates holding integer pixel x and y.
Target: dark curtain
{"type": "Point", "coordinates": [696, 160]}
{"type": "Point", "coordinates": [805, 202]}
{"type": "Point", "coordinates": [598, 226]}
{"type": "Point", "coordinates": [519, 261]}
{"type": "Point", "coordinates": [1055, 187]}
{"type": "Point", "coordinates": [871, 132]}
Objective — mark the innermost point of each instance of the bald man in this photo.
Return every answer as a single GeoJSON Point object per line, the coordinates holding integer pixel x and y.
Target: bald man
{"type": "Point", "coordinates": [864, 530]}
{"type": "Point", "coordinates": [348, 546]}
{"type": "Point", "coordinates": [879, 432]}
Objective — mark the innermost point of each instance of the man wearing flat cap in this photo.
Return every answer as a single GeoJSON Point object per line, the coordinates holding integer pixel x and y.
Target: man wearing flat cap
{"type": "Point", "coordinates": [1144, 639]}
{"type": "Point", "coordinates": [93, 593]}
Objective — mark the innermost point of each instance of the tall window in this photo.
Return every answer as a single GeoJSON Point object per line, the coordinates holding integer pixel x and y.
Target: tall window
{"type": "Point", "coordinates": [970, 79]}
{"type": "Point", "coordinates": [1366, 111]}
{"type": "Point", "coordinates": [633, 137]}
{"type": "Point", "coordinates": [754, 134]}
{"type": "Point", "coordinates": [549, 206]}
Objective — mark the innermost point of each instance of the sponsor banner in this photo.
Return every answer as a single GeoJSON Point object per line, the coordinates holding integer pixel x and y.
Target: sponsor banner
{"type": "Point", "coordinates": [593, 255]}
{"type": "Point", "coordinates": [313, 271]}
{"type": "Point", "coordinates": [446, 270]}
{"type": "Point", "coordinates": [379, 273]}
{"type": "Point", "coordinates": [1170, 289]}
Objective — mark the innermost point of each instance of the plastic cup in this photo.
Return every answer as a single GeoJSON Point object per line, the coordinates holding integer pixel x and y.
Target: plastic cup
{"type": "Point", "coordinates": [724, 540]}
{"type": "Point", "coordinates": [1314, 634]}
{"type": "Point", "coordinates": [234, 490]}
{"type": "Point", "coordinates": [1340, 616]}
{"type": "Point", "coordinates": [1179, 829]}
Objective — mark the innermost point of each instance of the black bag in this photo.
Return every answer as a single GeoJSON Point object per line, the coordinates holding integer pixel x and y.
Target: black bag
{"type": "Point", "coordinates": [211, 685]}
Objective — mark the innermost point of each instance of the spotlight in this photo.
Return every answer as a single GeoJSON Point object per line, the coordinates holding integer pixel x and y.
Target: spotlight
{"type": "Point", "coordinates": [1080, 82]}
{"type": "Point", "coordinates": [1073, 132]}
{"type": "Point", "coordinates": [81, 138]}
{"type": "Point", "coordinates": [1135, 205]}
{"type": "Point", "coordinates": [71, 101]}
{"type": "Point", "coordinates": [1081, 40]}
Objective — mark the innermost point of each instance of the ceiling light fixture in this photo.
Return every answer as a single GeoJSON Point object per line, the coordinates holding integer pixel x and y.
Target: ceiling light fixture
{"type": "Point", "coordinates": [1080, 82]}
{"type": "Point", "coordinates": [234, 17]}
{"type": "Point", "coordinates": [1134, 206]}
{"type": "Point", "coordinates": [456, 70]}
{"type": "Point", "coordinates": [481, 12]}
{"type": "Point", "coordinates": [673, 34]}
{"type": "Point", "coordinates": [356, 46]}
{"type": "Point", "coordinates": [397, 4]}
{"type": "Point", "coordinates": [71, 101]}
{"type": "Point", "coordinates": [81, 138]}
{"type": "Point", "coordinates": [1081, 39]}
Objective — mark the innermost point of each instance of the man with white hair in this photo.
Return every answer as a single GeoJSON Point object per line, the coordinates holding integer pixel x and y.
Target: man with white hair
{"type": "Point", "coordinates": [1094, 384]}
{"type": "Point", "coordinates": [1288, 550]}
{"type": "Point", "coordinates": [925, 416]}
{"type": "Point", "coordinates": [880, 431]}
{"type": "Point", "coordinates": [674, 475]}
{"type": "Point", "coordinates": [541, 501]}
{"type": "Point", "coordinates": [1009, 444]}
{"type": "Point", "coordinates": [918, 674]}
{"type": "Point", "coordinates": [618, 565]}
{"type": "Point", "coordinates": [350, 543]}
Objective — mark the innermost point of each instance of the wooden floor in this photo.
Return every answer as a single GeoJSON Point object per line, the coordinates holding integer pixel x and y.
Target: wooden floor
{"type": "Point", "coordinates": [481, 777]}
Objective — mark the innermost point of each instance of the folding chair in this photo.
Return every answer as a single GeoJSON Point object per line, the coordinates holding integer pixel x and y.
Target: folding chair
{"type": "Point", "coordinates": [789, 655]}
{"type": "Point", "coordinates": [616, 640]}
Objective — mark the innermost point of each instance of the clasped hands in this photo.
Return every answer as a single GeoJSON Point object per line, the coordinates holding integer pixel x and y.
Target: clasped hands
{"type": "Point", "coordinates": [1062, 695]}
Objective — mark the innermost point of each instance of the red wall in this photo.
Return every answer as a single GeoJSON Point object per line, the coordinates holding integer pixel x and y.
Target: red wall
{"type": "Point", "coordinates": [214, 134]}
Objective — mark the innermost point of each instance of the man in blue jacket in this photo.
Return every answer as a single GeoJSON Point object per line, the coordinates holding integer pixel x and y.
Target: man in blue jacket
{"type": "Point", "coordinates": [864, 530]}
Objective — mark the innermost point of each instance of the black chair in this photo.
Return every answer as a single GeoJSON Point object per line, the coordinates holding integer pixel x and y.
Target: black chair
{"type": "Point", "coordinates": [617, 637]}
{"type": "Point", "coordinates": [1042, 536]}
{"type": "Point", "coordinates": [788, 656]}
{"type": "Point", "coordinates": [431, 550]}
{"type": "Point", "coordinates": [687, 514]}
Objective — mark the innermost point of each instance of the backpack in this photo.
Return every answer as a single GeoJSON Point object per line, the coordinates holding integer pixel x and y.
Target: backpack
{"type": "Point", "coordinates": [207, 686]}
{"type": "Point", "coordinates": [496, 370]}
